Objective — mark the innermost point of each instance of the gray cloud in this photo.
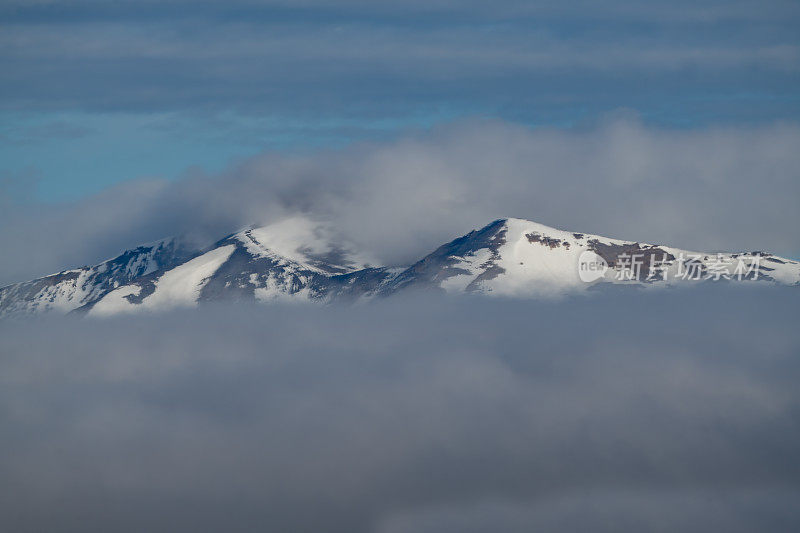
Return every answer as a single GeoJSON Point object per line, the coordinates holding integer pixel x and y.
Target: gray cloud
{"type": "Point", "coordinates": [719, 188]}
{"type": "Point", "coordinates": [519, 60]}
{"type": "Point", "coordinates": [639, 509]}
{"type": "Point", "coordinates": [626, 411]}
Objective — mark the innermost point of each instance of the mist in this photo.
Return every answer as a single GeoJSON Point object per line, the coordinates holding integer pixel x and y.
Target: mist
{"type": "Point", "coordinates": [629, 410]}
{"type": "Point", "coordinates": [717, 188]}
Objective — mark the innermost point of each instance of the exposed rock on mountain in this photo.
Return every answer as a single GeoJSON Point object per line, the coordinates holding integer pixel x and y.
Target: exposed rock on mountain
{"type": "Point", "coordinates": [300, 260]}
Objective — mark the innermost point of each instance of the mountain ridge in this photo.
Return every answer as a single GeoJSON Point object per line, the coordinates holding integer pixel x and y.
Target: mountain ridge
{"type": "Point", "coordinates": [297, 259]}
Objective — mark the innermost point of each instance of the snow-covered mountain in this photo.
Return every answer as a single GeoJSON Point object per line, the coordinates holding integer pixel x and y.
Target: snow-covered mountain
{"type": "Point", "coordinates": [295, 259]}
{"type": "Point", "coordinates": [72, 289]}
{"type": "Point", "coordinates": [299, 260]}
{"type": "Point", "coordinates": [514, 257]}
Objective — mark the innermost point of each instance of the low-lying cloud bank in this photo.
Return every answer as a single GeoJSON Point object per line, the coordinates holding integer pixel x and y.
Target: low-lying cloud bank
{"type": "Point", "coordinates": [659, 412]}
{"type": "Point", "coordinates": [712, 189]}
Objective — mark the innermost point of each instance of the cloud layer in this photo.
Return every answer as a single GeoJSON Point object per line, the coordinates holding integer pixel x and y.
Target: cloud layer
{"type": "Point", "coordinates": [719, 188]}
{"type": "Point", "coordinates": [519, 60]}
{"type": "Point", "coordinates": [627, 412]}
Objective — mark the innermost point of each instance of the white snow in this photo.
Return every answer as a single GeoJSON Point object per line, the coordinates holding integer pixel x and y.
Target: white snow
{"type": "Point", "coordinates": [179, 287]}
{"type": "Point", "coordinates": [296, 239]}
{"type": "Point", "coordinates": [787, 272]}
{"type": "Point", "coordinates": [275, 291]}
{"type": "Point", "coordinates": [473, 263]}
{"type": "Point", "coordinates": [536, 269]}
{"type": "Point", "coordinates": [70, 294]}
{"type": "Point", "coordinates": [115, 302]}
{"type": "Point", "coordinates": [530, 269]}
{"type": "Point", "coordinates": [66, 295]}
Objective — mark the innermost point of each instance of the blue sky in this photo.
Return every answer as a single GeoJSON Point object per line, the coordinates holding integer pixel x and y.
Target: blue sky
{"type": "Point", "coordinates": [98, 93]}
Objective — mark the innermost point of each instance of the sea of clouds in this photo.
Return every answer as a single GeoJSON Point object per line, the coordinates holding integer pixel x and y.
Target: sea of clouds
{"type": "Point", "coordinates": [662, 411]}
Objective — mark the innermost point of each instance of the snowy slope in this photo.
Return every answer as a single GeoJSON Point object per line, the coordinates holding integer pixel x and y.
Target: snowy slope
{"type": "Point", "coordinates": [515, 257]}
{"type": "Point", "coordinates": [71, 289]}
{"type": "Point", "coordinates": [178, 287]}
{"type": "Point", "coordinates": [302, 242]}
{"type": "Point", "coordinates": [295, 259]}
{"type": "Point", "coordinates": [301, 260]}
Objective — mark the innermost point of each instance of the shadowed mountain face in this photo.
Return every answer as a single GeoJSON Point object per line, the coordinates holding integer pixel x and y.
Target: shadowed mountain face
{"type": "Point", "coordinates": [449, 260]}
{"type": "Point", "coordinates": [299, 260]}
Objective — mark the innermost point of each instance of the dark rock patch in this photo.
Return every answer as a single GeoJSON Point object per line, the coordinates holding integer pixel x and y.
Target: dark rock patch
{"type": "Point", "coordinates": [621, 255]}
{"type": "Point", "coordinates": [544, 240]}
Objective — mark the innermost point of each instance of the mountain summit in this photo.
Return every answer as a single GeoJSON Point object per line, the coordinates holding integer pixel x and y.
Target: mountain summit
{"type": "Point", "coordinates": [299, 260]}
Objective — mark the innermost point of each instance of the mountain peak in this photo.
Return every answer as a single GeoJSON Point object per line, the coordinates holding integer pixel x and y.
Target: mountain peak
{"type": "Point", "coordinates": [305, 260]}
{"type": "Point", "coordinates": [521, 258]}
{"type": "Point", "coordinates": [305, 242]}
